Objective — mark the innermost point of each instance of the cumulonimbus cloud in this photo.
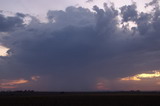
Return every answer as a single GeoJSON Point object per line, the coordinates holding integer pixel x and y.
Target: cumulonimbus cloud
{"type": "Point", "coordinates": [77, 45]}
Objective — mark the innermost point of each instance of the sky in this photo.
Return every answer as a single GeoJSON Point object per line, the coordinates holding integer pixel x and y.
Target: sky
{"type": "Point", "coordinates": [84, 45]}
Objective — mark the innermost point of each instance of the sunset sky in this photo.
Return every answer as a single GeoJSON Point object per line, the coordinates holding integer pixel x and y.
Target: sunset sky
{"type": "Point", "coordinates": [80, 45]}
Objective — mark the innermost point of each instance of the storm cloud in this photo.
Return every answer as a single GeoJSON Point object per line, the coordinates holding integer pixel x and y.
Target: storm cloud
{"type": "Point", "coordinates": [78, 46]}
{"type": "Point", "coordinates": [11, 23]}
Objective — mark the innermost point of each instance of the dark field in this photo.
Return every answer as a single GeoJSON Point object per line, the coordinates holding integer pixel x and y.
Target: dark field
{"type": "Point", "coordinates": [80, 99]}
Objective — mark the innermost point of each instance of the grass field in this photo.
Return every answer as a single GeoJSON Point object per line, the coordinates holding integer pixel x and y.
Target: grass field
{"type": "Point", "coordinates": [79, 99]}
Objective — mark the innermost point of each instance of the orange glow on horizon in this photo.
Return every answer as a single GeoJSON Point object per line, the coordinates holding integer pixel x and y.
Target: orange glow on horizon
{"type": "Point", "coordinates": [102, 84]}
{"type": "Point", "coordinates": [139, 77]}
{"type": "Point", "coordinates": [7, 87]}
{"type": "Point", "coordinates": [12, 83]}
{"type": "Point", "coordinates": [130, 78]}
{"type": "Point", "coordinates": [15, 82]}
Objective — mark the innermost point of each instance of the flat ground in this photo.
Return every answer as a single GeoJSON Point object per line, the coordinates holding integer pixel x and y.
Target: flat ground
{"type": "Point", "coordinates": [80, 99]}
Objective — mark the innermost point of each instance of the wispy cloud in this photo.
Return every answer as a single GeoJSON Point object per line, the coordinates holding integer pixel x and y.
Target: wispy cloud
{"type": "Point", "coordinates": [88, 1]}
{"type": "Point", "coordinates": [35, 78]}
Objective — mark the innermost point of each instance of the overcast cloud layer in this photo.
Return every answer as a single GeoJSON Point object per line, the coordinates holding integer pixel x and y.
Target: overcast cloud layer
{"type": "Point", "coordinates": [78, 47]}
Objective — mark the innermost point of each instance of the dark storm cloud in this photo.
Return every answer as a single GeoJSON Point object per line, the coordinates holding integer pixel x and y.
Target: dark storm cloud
{"type": "Point", "coordinates": [129, 13]}
{"type": "Point", "coordinates": [106, 21]}
{"type": "Point", "coordinates": [71, 16]}
{"type": "Point", "coordinates": [77, 46]}
{"type": "Point", "coordinates": [153, 2]}
{"type": "Point", "coordinates": [10, 23]}
{"type": "Point", "coordinates": [143, 22]}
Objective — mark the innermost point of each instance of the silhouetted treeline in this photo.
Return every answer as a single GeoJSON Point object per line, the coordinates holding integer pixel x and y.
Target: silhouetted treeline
{"type": "Point", "coordinates": [118, 98]}
{"type": "Point", "coordinates": [25, 92]}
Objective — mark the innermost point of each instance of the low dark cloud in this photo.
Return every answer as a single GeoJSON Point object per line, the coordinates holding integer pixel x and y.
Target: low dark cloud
{"type": "Point", "coordinates": [77, 46]}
